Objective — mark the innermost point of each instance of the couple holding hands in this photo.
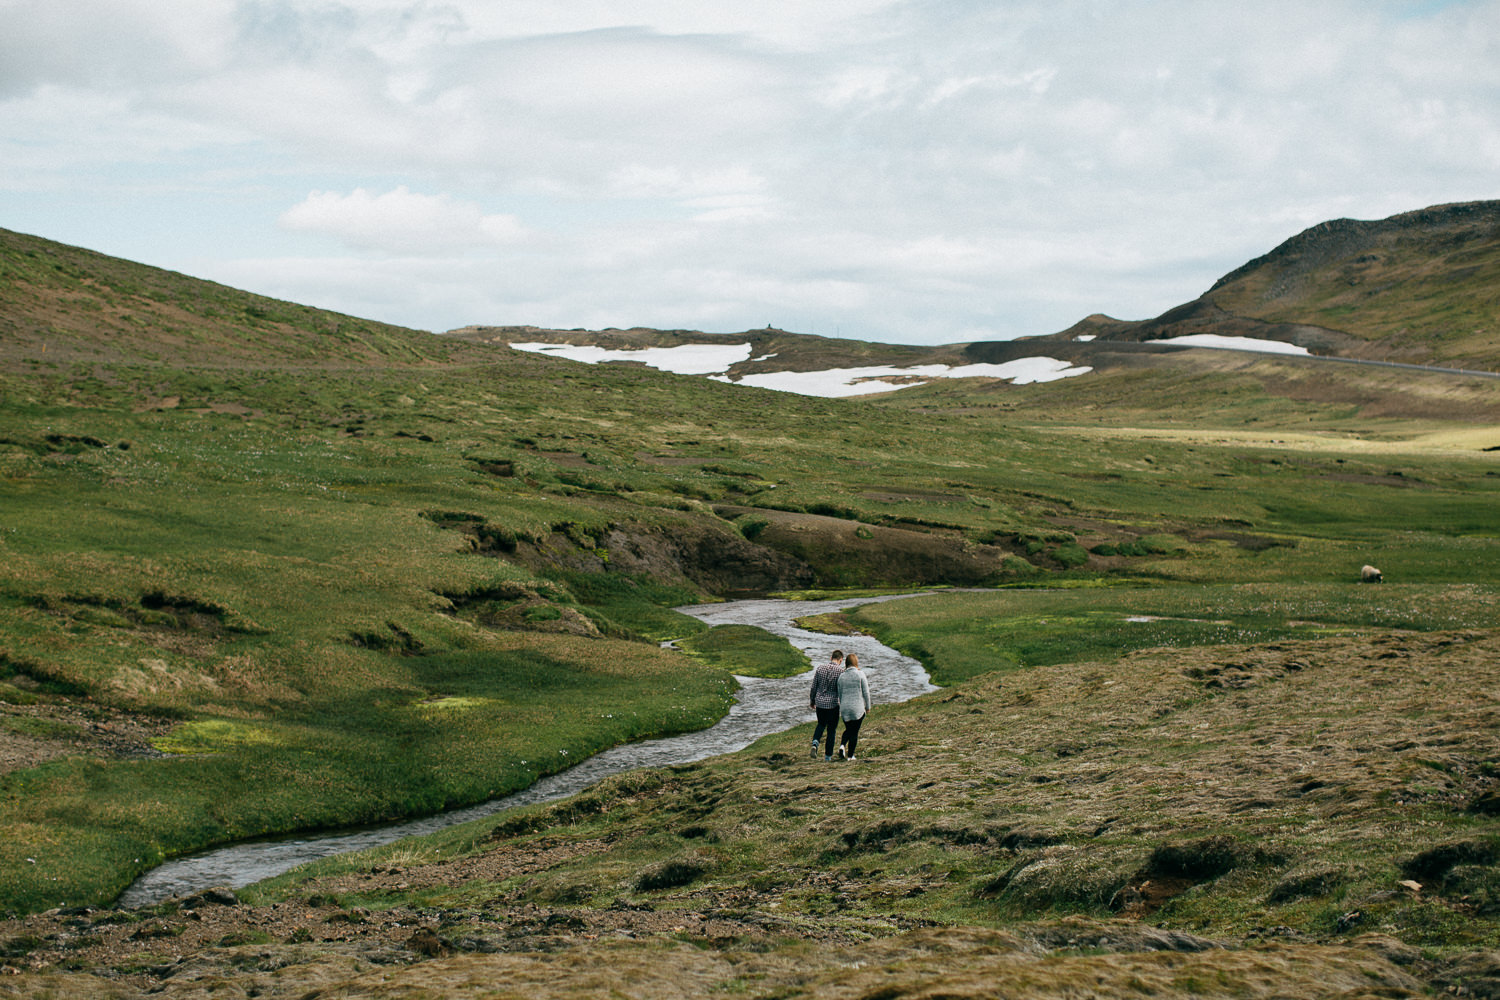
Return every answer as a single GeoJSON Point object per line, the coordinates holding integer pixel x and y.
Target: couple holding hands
{"type": "Point", "coordinates": [839, 690]}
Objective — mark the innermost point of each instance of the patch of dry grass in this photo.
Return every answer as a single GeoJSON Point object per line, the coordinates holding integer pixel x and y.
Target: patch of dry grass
{"type": "Point", "coordinates": [1405, 439]}
{"type": "Point", "coordinates": [929, 963]}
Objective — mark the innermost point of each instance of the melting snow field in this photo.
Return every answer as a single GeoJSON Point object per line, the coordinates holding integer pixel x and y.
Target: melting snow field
{"type": "Point", "coordinates": [1234, 343]}
{"type": "Point", "coordinates": [688, 359]}
{"type": "Point", "coordinates": [714, 360]}
{"type": "Point", "coordinates": [860, 381]}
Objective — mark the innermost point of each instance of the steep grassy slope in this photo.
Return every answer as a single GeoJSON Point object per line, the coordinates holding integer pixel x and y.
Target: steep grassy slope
{"type": "Point", "coordinates": [1417, 287]}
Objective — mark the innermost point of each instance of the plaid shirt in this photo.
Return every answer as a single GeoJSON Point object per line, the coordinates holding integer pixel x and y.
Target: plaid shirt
{"type": "Point", "coordinates": [825, 686]}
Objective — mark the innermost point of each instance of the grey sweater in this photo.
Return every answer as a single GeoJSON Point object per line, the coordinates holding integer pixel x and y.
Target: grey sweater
{"type": "Point", "coordinates": [854, 694]}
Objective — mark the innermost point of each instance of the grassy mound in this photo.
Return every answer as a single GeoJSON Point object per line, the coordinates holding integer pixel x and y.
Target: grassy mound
{"type": "Point", "coordinates": [746, 650]}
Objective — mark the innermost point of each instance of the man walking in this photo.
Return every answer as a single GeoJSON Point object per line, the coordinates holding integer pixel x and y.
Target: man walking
{"type": "Point", "coordinates": [824, 700]}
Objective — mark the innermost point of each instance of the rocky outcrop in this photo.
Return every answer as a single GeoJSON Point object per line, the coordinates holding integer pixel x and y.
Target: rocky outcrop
{"type": "Point", "coordinates": [716, 558]}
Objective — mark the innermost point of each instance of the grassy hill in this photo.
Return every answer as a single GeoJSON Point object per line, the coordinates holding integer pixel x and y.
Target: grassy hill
{"type": "Point", "coordinates": [1421, 287]}
{"type": "Point", "coordinates": [65, 305]}
{"type": "Point", "coordinates": [269, 573]}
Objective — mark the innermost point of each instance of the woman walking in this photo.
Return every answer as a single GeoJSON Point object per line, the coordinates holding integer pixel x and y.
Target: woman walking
{"type": "Point", "coordinates": [824, 699]}
{"type": "Point", "coordinates": [854, 703]}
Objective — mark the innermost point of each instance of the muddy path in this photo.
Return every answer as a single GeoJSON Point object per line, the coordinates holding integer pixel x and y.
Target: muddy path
{"type": "Point", "coordinates": [762, 707]}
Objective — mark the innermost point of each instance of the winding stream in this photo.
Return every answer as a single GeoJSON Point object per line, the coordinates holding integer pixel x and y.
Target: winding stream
{"type": "Point", "coordinates": [762, 707]}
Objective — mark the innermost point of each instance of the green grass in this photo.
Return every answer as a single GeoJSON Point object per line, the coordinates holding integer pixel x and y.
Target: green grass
{"type": "Point", "coordinates": [1299, 793]}
{"type": "Point", "coordinates": [460, 728]}
{"type": "Point", "coordinates": [745, 650]}
{"type": "Point", "coordinates": [637, 604]}
{"type": "Point", "coordinates": [48, 729]}
{"type": "Point", "coordinates": [959, 636]}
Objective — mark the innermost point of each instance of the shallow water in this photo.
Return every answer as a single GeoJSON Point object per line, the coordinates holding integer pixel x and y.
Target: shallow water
{"type": "Point", "coordinates": [762, 707]}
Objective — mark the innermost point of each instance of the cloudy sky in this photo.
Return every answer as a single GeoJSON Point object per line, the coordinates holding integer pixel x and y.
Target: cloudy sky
{"type": "Point", "coordinates": [901, 170]}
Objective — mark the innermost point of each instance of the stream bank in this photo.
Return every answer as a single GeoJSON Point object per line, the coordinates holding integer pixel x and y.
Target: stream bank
{"type": "Point", "coordinates": [763, 706]}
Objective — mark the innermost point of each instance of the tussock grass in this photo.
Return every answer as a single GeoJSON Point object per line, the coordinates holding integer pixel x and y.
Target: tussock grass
{"type": "Point", "coordinates": [1238, 820]}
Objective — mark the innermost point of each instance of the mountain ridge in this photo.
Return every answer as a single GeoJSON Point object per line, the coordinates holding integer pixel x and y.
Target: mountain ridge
{"type": "Point", "coordinates": [1419, 287]}
{"type": "Point", "coordinates": [1415, 288]}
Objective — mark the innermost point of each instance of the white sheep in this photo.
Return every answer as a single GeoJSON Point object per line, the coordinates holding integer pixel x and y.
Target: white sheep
{"type": "Point", "coordinates": [1369, 574]}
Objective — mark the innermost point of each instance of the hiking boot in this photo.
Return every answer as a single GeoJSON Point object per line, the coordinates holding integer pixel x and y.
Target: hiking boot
{"type": "Point", "coordinates": [841, 751]}
{"type": "Point", "coordinates": [827, 758]}
{"type": "Point", "coordinates": [815, 750]}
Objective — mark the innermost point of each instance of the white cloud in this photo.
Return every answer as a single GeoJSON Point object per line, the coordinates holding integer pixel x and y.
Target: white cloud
{"type": "Point", "coordinates": [883, 168]}
{"type": "Point", "coordinates": [401, 221]}
{"type": "Point", "coordinates": [110, 45]}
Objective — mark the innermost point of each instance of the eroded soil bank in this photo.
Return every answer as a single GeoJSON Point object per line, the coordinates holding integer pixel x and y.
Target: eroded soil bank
{"type": "Point", "coordinates": [37, 731]}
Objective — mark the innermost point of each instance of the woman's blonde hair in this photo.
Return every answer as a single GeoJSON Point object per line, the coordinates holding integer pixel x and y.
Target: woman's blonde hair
{"type": "Point", "coordinates": [852, 660]}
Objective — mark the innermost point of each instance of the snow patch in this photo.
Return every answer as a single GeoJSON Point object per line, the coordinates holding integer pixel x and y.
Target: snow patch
{"type": "Point", "coordinates": [1218, 342]}
{"type": "Point", "coordinates": [1085, 337]}
{"type": "Point", "coordinates": [839, 382]}
{"type": "Point", "coordinates": [685, 359]}
{"type": "Point", "coordinates": [714, 360]}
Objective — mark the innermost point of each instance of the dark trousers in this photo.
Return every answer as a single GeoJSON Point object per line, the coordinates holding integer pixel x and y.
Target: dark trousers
{"type": "Point", "coordinates": [828, 718]}
{"type": "Point", "coordinates": [851, 735]}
